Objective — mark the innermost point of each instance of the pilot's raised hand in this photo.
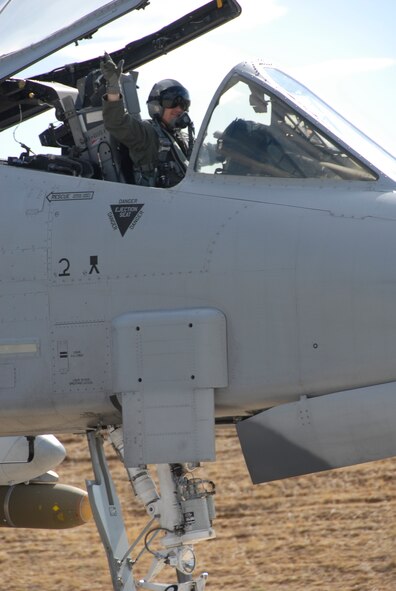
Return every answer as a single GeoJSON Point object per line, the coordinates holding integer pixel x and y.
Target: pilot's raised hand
{"type": "Point", "coordinates": [111, 74]}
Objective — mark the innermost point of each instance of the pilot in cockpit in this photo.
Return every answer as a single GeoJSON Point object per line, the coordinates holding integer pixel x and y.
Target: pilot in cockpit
{"type": "Point", "coordinates": [157, 147]}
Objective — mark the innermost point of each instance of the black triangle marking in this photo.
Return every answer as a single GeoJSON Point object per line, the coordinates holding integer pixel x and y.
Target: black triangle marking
{"type": "Point", "coordinates": [124, 214]}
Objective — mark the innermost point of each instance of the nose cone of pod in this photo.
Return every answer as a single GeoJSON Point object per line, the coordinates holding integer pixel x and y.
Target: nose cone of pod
{"type": "Point", "coordinates": [46, 506]}
{"type": "Point", "coordinates": [26, 458]}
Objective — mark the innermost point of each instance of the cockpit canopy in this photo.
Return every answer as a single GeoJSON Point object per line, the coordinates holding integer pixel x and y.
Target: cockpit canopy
{"type": "Point", "coordinates": [265, 124]}
{"type": "Point", "coordinates": [46, 27]}
{"type": "Point", "coordinates": [49, 26]}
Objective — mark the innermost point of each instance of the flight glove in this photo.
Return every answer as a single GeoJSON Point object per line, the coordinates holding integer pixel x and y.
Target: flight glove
{"type": "Point", "coordinates": [111, 74]}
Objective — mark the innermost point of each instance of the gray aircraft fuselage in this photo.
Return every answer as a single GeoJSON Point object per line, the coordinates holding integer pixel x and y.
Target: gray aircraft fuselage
{"type": "Point", "coordinates": [304, 276]}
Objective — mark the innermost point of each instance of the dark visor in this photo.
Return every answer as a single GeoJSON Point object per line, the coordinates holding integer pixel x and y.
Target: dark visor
{"type": "Point", "coordinates": [178, 101]}
{"type": "Point", "coordinates": [176, 96]}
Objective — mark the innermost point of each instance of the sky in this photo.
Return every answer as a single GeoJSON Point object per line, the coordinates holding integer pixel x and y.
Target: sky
{"type": "Point", "coordinates": [344, 50]}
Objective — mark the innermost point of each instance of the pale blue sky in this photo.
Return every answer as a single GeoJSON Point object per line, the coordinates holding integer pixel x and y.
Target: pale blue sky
{"type": "Point", "coordinates": [344, 50]}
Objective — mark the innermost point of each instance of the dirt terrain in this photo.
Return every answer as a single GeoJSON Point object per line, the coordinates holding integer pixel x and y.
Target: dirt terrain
{"type": "Point", "coordinates": [332, 531]}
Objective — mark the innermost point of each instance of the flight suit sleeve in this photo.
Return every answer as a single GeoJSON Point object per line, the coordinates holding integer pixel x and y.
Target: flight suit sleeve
{"type": "Point", "coordinates": [138, 136]}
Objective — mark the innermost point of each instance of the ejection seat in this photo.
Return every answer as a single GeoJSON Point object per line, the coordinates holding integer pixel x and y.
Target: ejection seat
{"type": "Point", "coordinates": [248, 148]}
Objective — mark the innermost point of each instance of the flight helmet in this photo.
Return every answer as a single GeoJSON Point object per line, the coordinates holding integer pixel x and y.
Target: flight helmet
{"type": "Point", "coordinates": [167, 94]}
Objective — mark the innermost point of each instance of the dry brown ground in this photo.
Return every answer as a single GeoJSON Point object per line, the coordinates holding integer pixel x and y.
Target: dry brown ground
{"type": "Point", "coordinates": [333, 531]}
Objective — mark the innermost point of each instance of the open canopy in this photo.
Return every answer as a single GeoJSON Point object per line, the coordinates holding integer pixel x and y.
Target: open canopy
{"type": "Point", "coordinates": [46, 27]}
{"type": "Point", "coordinates": [49, 26]}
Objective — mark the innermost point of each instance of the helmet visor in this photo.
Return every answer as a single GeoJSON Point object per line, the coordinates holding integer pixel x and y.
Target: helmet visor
{"type": "Point", "coordinates": [176, 96]}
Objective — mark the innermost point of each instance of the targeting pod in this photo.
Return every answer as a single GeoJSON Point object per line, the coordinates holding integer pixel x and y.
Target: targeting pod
{"type": "Point", "coordinates": [46, 506]}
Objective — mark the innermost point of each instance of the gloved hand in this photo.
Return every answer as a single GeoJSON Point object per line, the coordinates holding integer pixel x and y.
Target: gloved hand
{"type": "Point", "coordinates": [111, 74]}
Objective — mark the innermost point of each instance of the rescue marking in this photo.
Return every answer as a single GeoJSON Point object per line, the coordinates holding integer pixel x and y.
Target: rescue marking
{"type": "Point", "coordinates": [70, 196]}
{"type": "Point", "coordinates": [125, 215]}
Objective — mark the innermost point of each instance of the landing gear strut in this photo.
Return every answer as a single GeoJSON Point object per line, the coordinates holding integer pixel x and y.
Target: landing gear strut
{"type": "Point", "coordinates": [181, 513]}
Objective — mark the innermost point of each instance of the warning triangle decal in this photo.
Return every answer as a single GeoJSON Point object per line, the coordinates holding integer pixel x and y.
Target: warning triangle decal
{"type": "Point", "coordinates": [124, 214]}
